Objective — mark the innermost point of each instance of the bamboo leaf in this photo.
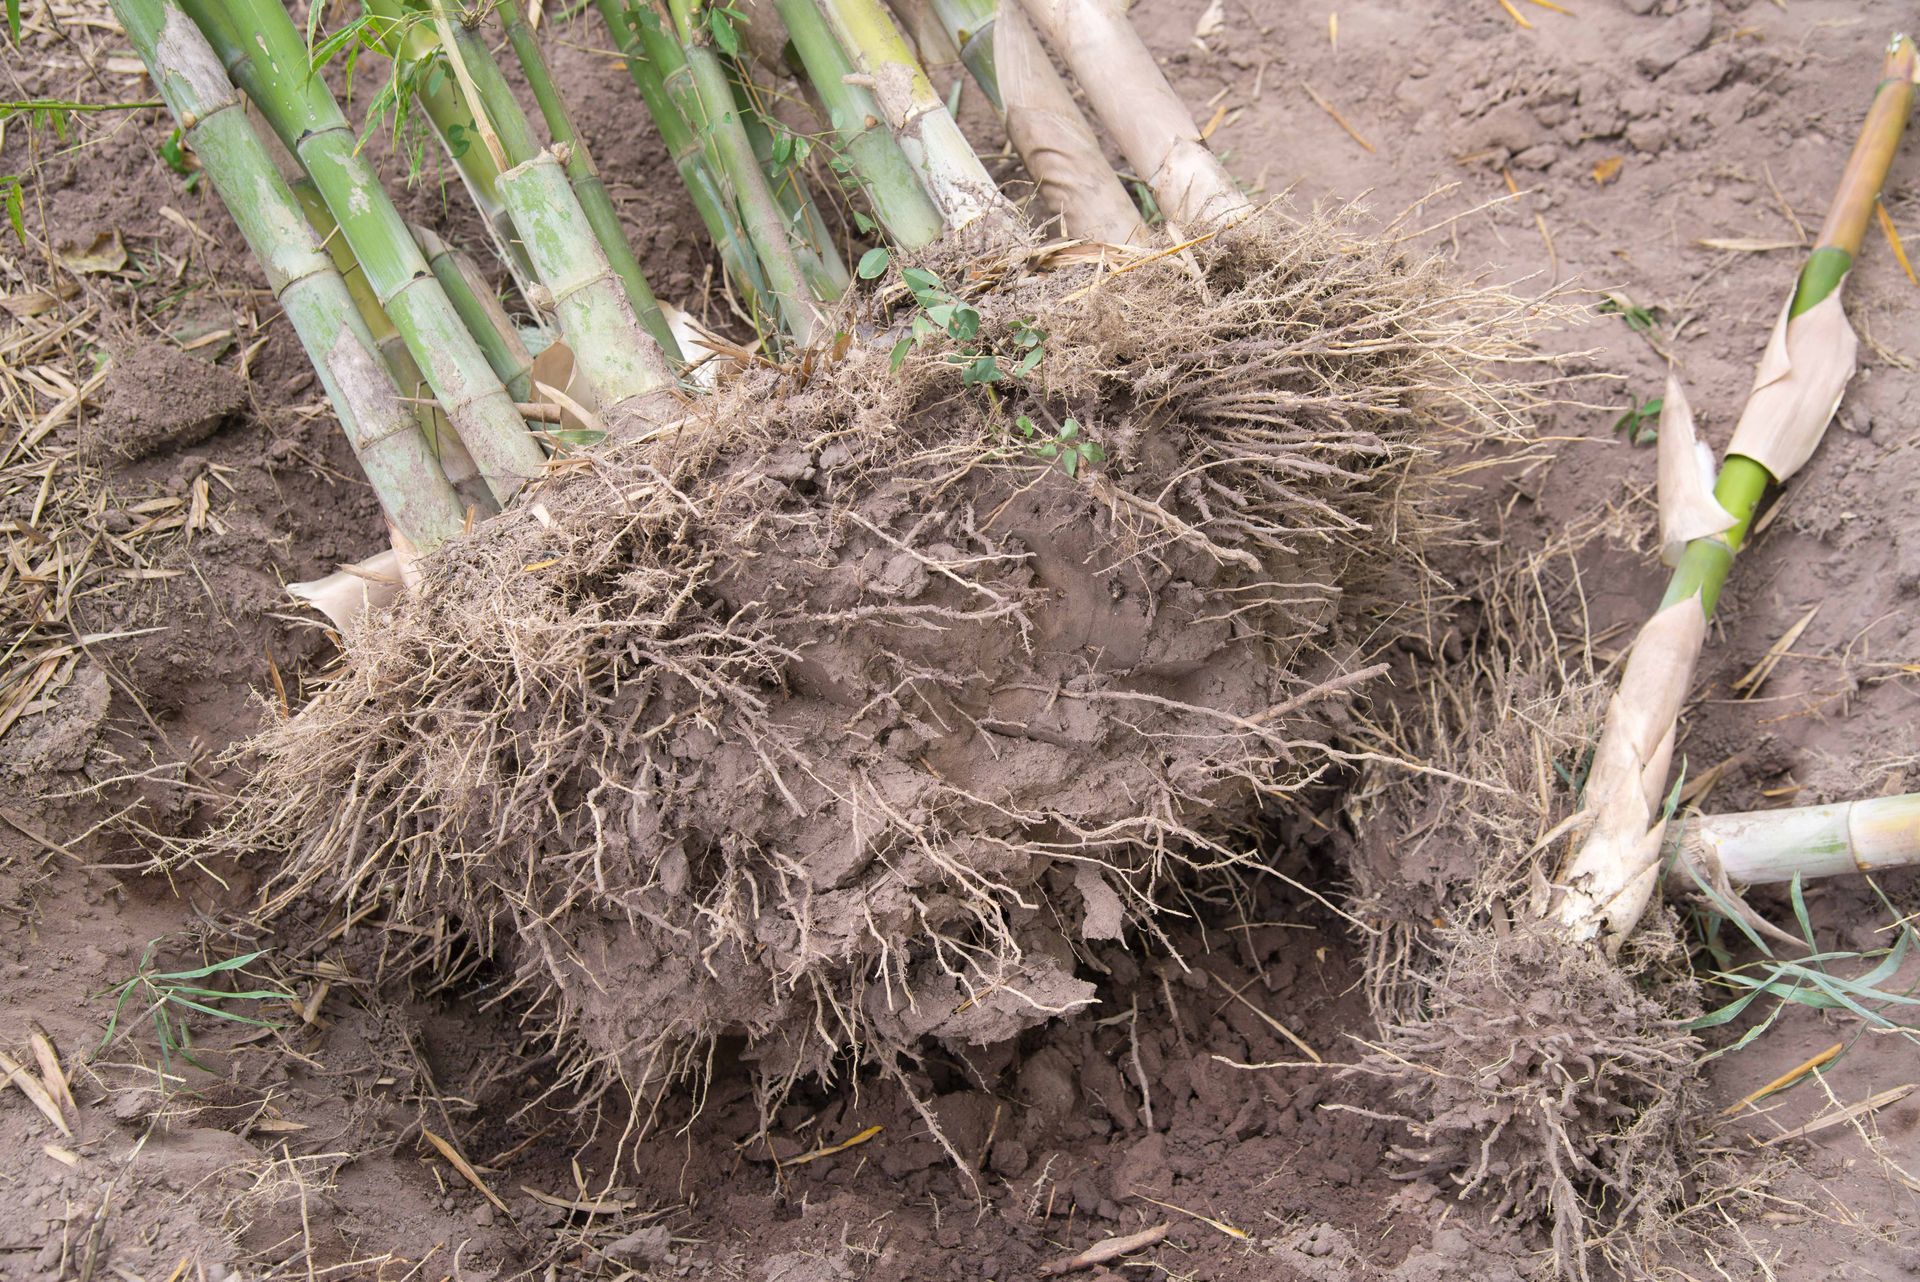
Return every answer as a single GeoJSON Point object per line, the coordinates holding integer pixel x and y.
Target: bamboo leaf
{"type": "Point", "coordinates": [231, 963]}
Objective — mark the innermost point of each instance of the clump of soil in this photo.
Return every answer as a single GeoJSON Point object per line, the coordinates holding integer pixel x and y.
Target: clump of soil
{"type": "Point", "coordinates": [841, 715]}
{"type": "Point", "coordinates": [157, 398]}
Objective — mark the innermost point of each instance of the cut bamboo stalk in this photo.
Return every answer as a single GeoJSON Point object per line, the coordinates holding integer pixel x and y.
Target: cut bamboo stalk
{"type": "Point", "coordinates": [457, 465]}
{"type": "Point", "coordinates": [302, 111]}
{"type": "Point", "coordinates": [1130, 95]}
{"type": "Point", "coordinates": [969, 24]}
{"type": "Point", "coordinates": [820, 259]}
{"type": "Point", "coordinates": [1046, 126]}
{"type": "Point", "coordinates": [699, 87]}
{"type": "Point", "coordinates": [588, 189]}
{"type": "Point", "coordinates": [1761, 846]}
{"type": "Point", "coordinates": [407, 38]}
{"type": "Point", "coordinates": [879, 165]}
{"type": "Point", "coordinates": [625, 368]}
{"type": "Point", "coordinates": [1055, 140]}
{"type": "Point", "coordinates": [418, 499]}
{"type": "Point", "coordinates": [1611, 876]}
{"type": "Point", "coordinates": [952, 174]}
{"type": "Point", "coordinates": [479, 307]}
{"type": "Point", "coordinates": [634, 33]}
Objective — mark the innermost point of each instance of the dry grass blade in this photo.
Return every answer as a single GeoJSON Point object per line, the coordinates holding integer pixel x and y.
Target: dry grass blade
{"type": "Point", "coordinates": [1107, 1250]}
{"type": "Point", "coordinates": [31, 1087]}
{"type": "Point", "coordinates": [585, 1206]}
{"type": "Point", "coordinates": [51, 1073]}
{"type": "Point", "coordinates": [1239, 1235]}
{"type": "Point", "coordinates": [1845, 1115]}
{"type": "Point", "coordinates": [1270, 1021]}
{"type": "Point", "coordinates": [830, 1149]}
{"type": "Point", "coordinates": [466, 1170]}
{"type": "Point", "coordinates": [1749, 684]}
{"type": "Point", "coordinates": [1785, 1079]}
{"type": "Point", "coordinates": [1338, 119]}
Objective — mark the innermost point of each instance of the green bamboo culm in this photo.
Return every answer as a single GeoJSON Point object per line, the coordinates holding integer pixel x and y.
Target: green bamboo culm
{"type": "Point", "coordinates": [700, 88]}
{"type": "Point", "coordinates": [504, 127]}
{"type": "Point", "coordinates": [480, 309]}
{"type": "Point", "coordinates": [620, 361]}
{"type": "Point", "coordinates": [969, 24]}
{"type": "Point", "coordinates": [588, 188]}
{"type": "Point", "coordinates": [406, 37]}
{"type": "Point", "coordinates": [820, 260]}
{"type": "Point", "coordinates": [955, 180]}
{"type": "Point", "coordinates": [418, 499]}
{"type": "Point", "coordinates": [625, 367]}
{"type": "Point", "coordinates": [455, 462]}
{"type": "Point", "coordinates": [879, 166]}
{"type": "Point", "coordinates": [272, 66]}
{"type": "Point", "coordinates": [710, 200]}
{"type": "Point", "coordinates": [1742, 483]}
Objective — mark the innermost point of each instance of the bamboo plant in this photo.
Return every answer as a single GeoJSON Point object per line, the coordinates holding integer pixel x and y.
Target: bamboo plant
{"type": "Point", "coordinates": [271, 65]}
{"type": "Point", "coordinates": [418, 498]}
{"type": "Point", "coordinates": [1613, 872]}
{"type": "Point", "coordinates": [428, 335]}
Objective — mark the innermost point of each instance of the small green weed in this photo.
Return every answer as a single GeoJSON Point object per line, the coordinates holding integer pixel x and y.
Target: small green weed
{"type": "Point", "coordinates": [1802, 981]}
{"type": "Point", "coordinates": [1640, 423]}
{"type": "Point", "coordinates": [1640, 320]}
{"type": "Point", "coordinates": [940, 312]}
{"type": "Point", "coordinates": [1067, 445]}
{"type": "Point", "coordinates": [167, 997]}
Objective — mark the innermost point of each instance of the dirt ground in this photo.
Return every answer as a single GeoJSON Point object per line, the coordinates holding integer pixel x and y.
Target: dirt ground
{"type": "Point", "coordinates": [168, 464]}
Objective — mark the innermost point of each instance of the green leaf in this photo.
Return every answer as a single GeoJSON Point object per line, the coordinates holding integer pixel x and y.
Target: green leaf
{"type": "Point", "coordinates": [16, 203]}
{"type": "Point", "coordinates": [580, 436]}
{"type": "Point", "coordinates": [13, 20]}
{"type": "Point", "coordinates": [919, 279]}
{"type": "Point", "coordinates": [725, 37]}
{"type": "Point", "coordinates": [1025, 365]}
{"type": "Point", "coordinates": [984, 369]}
{"type": "Point", "coordinates": [966, 322]}
{"type": "Point", "coordinates": [1070, 464]}
{"type": "Point", "coordinates": [173, 150]}
{"type": "Point", "coordinates": [899, 354]}
{"type": "Point", "coordinates": [1069, 430]}
{"type": "Point", "coordinates": [941, 314]}
{"type": "Point", "coordinates": [1025, 425]}
{"type": "Point", "coordinates": [874, 264]}
{"type": "Point", "coordinates": [231, 963]}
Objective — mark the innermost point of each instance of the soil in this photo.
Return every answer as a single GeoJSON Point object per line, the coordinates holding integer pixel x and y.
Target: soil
{"type": "Point", "coordinates": [145, 614]}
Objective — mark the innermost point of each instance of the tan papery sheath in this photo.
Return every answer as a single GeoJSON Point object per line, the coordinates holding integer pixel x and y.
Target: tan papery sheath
{"type": "Point", "coordinates": [1798, 386]}
{"type": "Point", "coordinates": [1688, 509]}
{"type": "Point", "coordinates": [1131, 97]}
{"type": "Point", "coordinates": [1055, 141]}
{"type": "Point", "coordinates": [1615, 869]}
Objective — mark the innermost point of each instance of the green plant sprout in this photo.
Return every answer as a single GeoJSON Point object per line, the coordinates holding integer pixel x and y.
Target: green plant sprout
{"type": "Point", "coordinates": [1073, 450]}
{"type": "Point", "coordinates": [166, 998]}
{"type": "Point", "coordinates": [1639, 423]}
{"type": "Point", "coordinates": [1802, 981]}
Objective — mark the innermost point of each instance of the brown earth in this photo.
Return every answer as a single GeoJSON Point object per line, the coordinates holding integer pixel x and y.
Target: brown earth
{"type": "Point", "coordinates": [144, 612]}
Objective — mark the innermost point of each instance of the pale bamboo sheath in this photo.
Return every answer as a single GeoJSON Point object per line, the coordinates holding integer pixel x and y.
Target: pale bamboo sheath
{"type": "Point", "coordinates": [1131, 97]}
{"type": "Point", "coordinates": [611, 348]}
{"type": "Point", "coordinates": [1616, 868]}
{"type": "Point", "coordinates": [1808, 841]}
{"type": "Point", "coordinates": [394, 453]}
{"type": "Point", "coordinates": [1054, 140]}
